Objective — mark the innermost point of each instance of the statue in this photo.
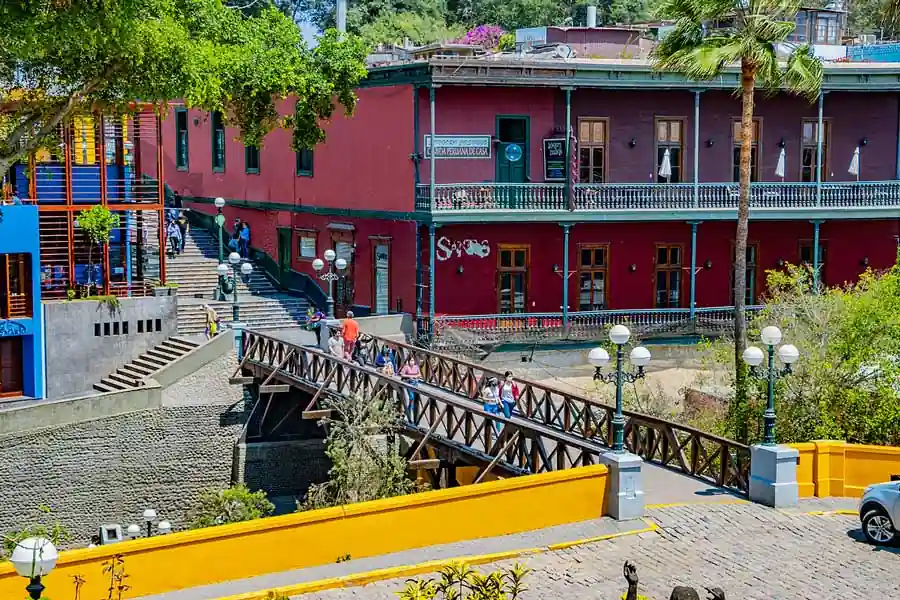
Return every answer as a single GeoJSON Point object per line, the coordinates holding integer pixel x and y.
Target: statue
{"type": "Point", "coordinates": [679, 592]}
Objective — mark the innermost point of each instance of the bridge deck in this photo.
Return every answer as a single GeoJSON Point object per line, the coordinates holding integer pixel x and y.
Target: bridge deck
{"type": "Point", "coordinates": [551, 430]}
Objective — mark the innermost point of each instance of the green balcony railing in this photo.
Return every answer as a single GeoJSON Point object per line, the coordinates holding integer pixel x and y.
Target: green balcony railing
{"type": "Point", "coordinates": [636, 196]}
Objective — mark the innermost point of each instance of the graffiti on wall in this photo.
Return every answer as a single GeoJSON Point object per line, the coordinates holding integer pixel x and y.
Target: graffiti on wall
{"type": "Point", "coordinates": [445, 249]}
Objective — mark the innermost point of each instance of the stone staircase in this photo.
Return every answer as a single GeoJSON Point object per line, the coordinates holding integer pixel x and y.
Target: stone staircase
{"type": "Point", "coordinates": [133, 374]}
{"type": "Point", "coordinates": [261, 305]}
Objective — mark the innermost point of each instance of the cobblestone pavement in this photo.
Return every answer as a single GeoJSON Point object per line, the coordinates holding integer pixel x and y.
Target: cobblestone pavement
{"type": "Point", "coordinates": [751, 552]}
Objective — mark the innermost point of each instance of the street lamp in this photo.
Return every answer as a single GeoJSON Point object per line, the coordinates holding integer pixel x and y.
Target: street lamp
{"type": "Point", "coordinates": [133, 530]}
{"type": "Point", "coordinates": [220, 222]}
{"type": "Point", "coordinates": [239, 269]}
{"type": "Point", "coordinates": [753, 356]}
{"type": "Point", "coordinates": [149, 517]}
{"type": "Point", "coordinates": [599, 358]}
{"type": "Point", "coordinates": [330, 275]}
{"type": "Point", "coordinates": [33, 558]}
{"type": "Point", "coordinates": [164, 527]}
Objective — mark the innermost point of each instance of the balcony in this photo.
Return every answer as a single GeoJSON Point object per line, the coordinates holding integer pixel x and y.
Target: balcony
{"type": "Point", "coordinates": [712, 200]}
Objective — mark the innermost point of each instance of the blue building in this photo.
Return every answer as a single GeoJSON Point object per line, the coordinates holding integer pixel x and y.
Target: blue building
{"type": "Point", "coordinates": [21, 329]}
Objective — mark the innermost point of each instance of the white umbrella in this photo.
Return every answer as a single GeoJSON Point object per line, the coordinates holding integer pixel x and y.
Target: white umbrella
{"type": "Point", "coordinates": [665, 169]}
{"type": "Point", "coordinates": [779, 168]}
{"type": "Point", "coordinates": [854, 164]}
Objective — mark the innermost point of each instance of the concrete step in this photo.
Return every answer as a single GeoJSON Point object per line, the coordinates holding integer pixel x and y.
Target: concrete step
{"type": "Point", "coordinates": [105, 387]}
{"type": "Point", "coordinates": [134, 372]}
{"type": "Point", "coordinates": [124, 380]}
{"type": "Point", "coordinates": [146, 365]}
{"type": "Point", "coordinates": [149, 357]}
{"type": "Point", "coordinates": [183, 346]}
{"type": "Point", "coordinates": [164, 354]}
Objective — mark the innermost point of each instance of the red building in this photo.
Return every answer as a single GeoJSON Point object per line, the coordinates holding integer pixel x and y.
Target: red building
{"type": "Point", "coordinates": [636, 210]}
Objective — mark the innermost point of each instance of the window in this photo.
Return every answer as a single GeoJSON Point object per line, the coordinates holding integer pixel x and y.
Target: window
{"type": "Point", "coordinates": [592, 148]}
{"type": "Point", "coordinates": [799, 34]}
{"type": "Point", "coordinates": [305, 163]}
{"type": "Point", "coordinates": [181, 139]}
{"type": "Point", "coordinates": [512, 275]}
{"type": "Point", "coordinates": [306, 245]}
{"type": "Point", "coordinates": [827, 30]}
{"type": "Point", "coordinates": [669, 133]}
{"type": "Point", "coordinates": [752, 294]}
{"type": "Point", "coordinates": [251, 159]}
{"type": "Point", "coordinates": [736, 150]}
{"type": "Point", "coordinates": [218, 142]}
{"type": "Point", "coordinates": [668, 276]}
{"type": "Point", "coordinates": [809, 151]}
{"type": "Point", "coordinates": [15, 286]}
{"type": "Point", "coordinates": [592, 264]}
{"type": "Point", "coordinates": [806, 256]}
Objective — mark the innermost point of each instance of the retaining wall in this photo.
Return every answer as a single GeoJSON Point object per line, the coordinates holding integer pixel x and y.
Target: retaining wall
{"type": "Point", "coordinates": [833, 468]}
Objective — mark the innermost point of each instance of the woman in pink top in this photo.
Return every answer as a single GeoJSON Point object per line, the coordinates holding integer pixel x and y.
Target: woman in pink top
{"type": "Point", "coordinates": [411, 375]}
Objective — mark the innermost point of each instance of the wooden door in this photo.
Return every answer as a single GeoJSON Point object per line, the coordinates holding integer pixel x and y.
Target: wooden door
{"type": "Point", "coordinates": [11, 378]}
{"type": "Point", "coordinates": [285, 236]}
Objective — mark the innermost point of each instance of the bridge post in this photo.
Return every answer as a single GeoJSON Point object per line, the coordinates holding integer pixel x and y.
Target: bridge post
{"type": "Point", "coordinates": [238, 329]}
{"type": "Point", "coordinates": [773, 476]}
{"type": "Point", "coordinates": [625, 493]}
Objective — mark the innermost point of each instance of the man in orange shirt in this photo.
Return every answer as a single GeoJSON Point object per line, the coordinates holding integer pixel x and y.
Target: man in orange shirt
{"type": "Point", "coordinates": [350, 330]}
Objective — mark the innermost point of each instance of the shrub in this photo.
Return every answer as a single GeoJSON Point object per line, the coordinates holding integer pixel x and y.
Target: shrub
{"type": "Point", "coordinates": [460, 582]}
{"type": "Point", "coordinates": [232, 505]}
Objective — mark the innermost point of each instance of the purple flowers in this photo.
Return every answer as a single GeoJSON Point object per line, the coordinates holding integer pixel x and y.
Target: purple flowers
{"type": "Point", "coordinates": [487, 36]}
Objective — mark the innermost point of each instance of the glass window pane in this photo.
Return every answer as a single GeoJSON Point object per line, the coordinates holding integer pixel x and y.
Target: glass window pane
{"type": "Point", "coordinates": [675, 158]}
{"type": "Point", "coordinates": [736, 132]}
{"type": "Point", "coordinates": [505, 258]}
{"type": "Point", "coordinates": [662, 131]}
{"type": "Point", "coordinates": [585, 257]}
{"type": "Point", "coordinates": [520, 258]}
{"type": "Point", "coordinates": [675, 131]}
{"type": "Point", "coordinates": [600, 257]}
{"type": "Point", "coordinates": [674, 287]}
{"type": "Point", "coordinates": [662, 256]}
{"type": "Point", "coordinates": [599, 133]}
{"type": "Point", "coordinates": [584, 132]}
{"type": "Point", "coordinates": [809, 132]}
{"type": "Point", "coordinates": [584, 174]}
{"type": "Point", "coordinates": [597, 155]}
{"type": "Point", "coordinates": [584, 156]}
{"type": "Point", "coordinates": [518, 282]}
{"type": "Point", "coordinates": [675, 255]}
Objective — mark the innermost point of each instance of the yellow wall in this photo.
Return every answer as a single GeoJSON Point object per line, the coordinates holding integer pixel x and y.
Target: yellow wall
{"type": "Point", "coordinates": [829, 468]}
{"type": "Point", "coordinates": [216, 554]}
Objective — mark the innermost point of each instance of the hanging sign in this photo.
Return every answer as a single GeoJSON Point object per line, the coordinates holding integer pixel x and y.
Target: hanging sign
{"type": "Point", "coordinates": [459, 146]}
{"type": "Point", "coordinates": [555, 159]}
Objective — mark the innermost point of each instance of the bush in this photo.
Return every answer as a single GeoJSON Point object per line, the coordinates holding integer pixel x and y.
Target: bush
{"type": "Point", "coordinates": [460, 582]}
{"type": "Point", "coordinates": [53, 531]}
{"type": "Point", "coordinates": [233, 505]}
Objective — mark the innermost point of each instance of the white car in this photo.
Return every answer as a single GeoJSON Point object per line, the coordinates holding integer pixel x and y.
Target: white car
{"type": "Point", "coordinates": [879, 511]}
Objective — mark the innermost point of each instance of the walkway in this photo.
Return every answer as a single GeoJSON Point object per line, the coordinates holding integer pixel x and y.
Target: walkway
{"type": "Point", "coordinates": [751, 552]}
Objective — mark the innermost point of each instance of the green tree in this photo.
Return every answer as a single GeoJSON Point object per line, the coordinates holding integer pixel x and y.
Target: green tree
{"type": "Point", "coordinates": [365, 465]}
{"type": "Point", "coordinates": [881, 17]}
{"type": "Point", "coordinates": [97, 223]}
{"type": "Point", "coordinates": [232, 505]}
{"type": "Point", "coordinates": [749, 35]}
{"type": "Point", "coordinates": [514, 14]}
{"type": "Point", "coordinates": [394, 28]}
{"type": "Point", "coordinates": [60, 57]}
{"type": "Point", "coordinates": [43, 526]}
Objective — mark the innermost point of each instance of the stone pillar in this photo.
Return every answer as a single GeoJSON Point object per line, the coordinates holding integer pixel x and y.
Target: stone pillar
{"type": "Point", "coordinates": [326, 325]}
{"type": "Point", "coordinates": [625, 493]}
{"type": "Point", "coordinates": [773, 476]}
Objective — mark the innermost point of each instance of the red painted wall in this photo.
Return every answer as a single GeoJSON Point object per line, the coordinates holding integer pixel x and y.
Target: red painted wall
{"type": "Point", "coordinates": [400, 234]}
{"type": "Point", "coordinates": [474, 290]}
{"type": "Point", "coordinates": [364, 163]}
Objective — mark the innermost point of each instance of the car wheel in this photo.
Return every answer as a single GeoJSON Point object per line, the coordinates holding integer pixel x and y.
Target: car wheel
{"type": "Point", "coordinates": [877, 527]}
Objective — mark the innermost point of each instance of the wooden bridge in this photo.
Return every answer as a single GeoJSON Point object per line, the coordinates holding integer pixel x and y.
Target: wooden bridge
{"type": "Point", "coordinates": [552, 429]}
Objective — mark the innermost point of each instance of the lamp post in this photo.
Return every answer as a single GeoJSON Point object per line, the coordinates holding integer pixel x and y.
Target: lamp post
{"type": "Point", "coordinates": [753, 356]}
{"type": "Point", "coordinates": [34, 558]}
{"type": "Point", "coordinates": [133, 530]}
{"type": "Point", "coordinates": [220, 222]}
{"type": "Point", "coordinates": [599, 358]}
{"type": "Point", "coordinates": [330, 275]}
{"type": "Point", "coordinates": [239, 269]}
{"type": "Point", "coordinates": [149, 517]}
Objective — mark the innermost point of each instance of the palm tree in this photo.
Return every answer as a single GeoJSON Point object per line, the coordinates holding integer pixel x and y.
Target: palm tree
{"type": "Point", "coordinates": [711, 36]}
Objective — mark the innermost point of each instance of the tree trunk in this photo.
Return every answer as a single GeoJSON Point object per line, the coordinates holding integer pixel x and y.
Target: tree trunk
{"type": "Point", "coordinates": [748, 76]}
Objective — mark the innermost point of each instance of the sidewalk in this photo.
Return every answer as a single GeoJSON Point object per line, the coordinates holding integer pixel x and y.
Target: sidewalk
{"type": "Point", "coordinates": [559, 536]}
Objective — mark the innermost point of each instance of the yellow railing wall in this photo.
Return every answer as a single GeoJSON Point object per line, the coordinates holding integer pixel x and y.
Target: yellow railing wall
{"type": "Point", "coordinates": [830, 468]}
{"type": "Point", "coordinates": [216, 554]}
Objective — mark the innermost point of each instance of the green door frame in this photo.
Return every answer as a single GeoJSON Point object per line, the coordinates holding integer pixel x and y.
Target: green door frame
{"type": "Point", "coordinates": [285, 245]}
{"type": "Point", "coordinates": [526, 150]}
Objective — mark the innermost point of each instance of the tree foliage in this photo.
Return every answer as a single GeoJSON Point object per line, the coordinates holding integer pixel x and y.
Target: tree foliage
{"type": "Point", "coordinates": [395, 28]}
{"type": "Point", "coordinates": [62, 57]}
{"type": "Point", "coordinates": [232, 505]}
{"type": "Point", "coordinates": [43, 526]}
{"type": "Point", "coordinates": [845, 384]}
{"type": "Point", "coordinates": [881, 17]}
{"type": "Point", "coordinates": [749, 35]}
{"type": "Point", "coordinates": [364, 464]}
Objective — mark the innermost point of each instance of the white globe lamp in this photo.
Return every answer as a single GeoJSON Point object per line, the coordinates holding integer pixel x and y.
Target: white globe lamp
{"type": "Point", "coordinates": [770, 336]}
{"type": "Point", "coordinates": [598, 357]}
{"type": "Point", "coordinates": [619, 335]}
{"type": "Point", "coordinates": [753, 356]}
{"type": "Point", "coordinates": [640, 357]}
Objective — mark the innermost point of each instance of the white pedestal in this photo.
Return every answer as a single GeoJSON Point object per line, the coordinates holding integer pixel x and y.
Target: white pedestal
{"type": "Point", "coordinates": [625, 494]}
{"type": "Point", "coordinates": [773, 476]}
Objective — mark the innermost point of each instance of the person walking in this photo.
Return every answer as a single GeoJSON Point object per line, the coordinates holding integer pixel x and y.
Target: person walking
{"type": "Point", "coordinates": [174, 237]}
{"type": "Point", "coordinates": [212, 321]}
{"type": "Point", "coordinates": [235, 234]}
{"type": "Point", "coordinates": [336, 346]}
{"type": "Point", "coordinates": [244, 240]}
{"type": "Point", "coordinates": [411, 375]}
{"type": "Point", "coordinates": [350, 332]}
{"type": "Point", "coordinates": [509, 394]}
{"type": "Point", "coordinates": [490, 396]}
{"type": "Point", "coordinates": [384, 362]}
{"type": "Point", "coordinates": [183, 228]}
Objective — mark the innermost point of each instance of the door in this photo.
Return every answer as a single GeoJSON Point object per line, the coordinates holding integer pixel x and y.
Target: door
{"type": "Point", "coordinates": [512, 279]}
{"type": "Point", "coordinates": [382, 278]}
{"type": "Point", "coordinates": [285, 237]}
{"type": "Point", "coordinates": [343, 287]}
{"type": "Point", "coordinates": [11, 378]}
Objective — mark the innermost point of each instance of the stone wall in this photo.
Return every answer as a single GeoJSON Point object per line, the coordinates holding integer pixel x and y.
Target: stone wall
{"type": "Point", "coordinates": [86, 342]}
{"type": "Point", "coordinates": [282, 468]}
{"type": "Point", "coordinates": [109, 470]}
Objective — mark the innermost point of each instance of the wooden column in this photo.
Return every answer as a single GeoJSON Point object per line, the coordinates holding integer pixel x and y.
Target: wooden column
{"type": "Point", "coordinates": [161, 194]}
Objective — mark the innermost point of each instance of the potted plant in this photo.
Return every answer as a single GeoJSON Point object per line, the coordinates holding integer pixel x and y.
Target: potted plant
{"type": "Point", "coordinates": [97, 224]}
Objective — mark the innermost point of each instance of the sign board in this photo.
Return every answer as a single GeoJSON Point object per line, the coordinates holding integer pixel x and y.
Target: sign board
{"type": "Point", "coordinates": [555, 159]}
{"type": "Point", "coordinates": [459, 146]}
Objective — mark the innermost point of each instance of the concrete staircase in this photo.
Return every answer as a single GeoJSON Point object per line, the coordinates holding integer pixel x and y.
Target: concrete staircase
{"type": "Point", "coordinates": [133, 374]}
{"type": "Point", "coordinates": [261, 305]}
